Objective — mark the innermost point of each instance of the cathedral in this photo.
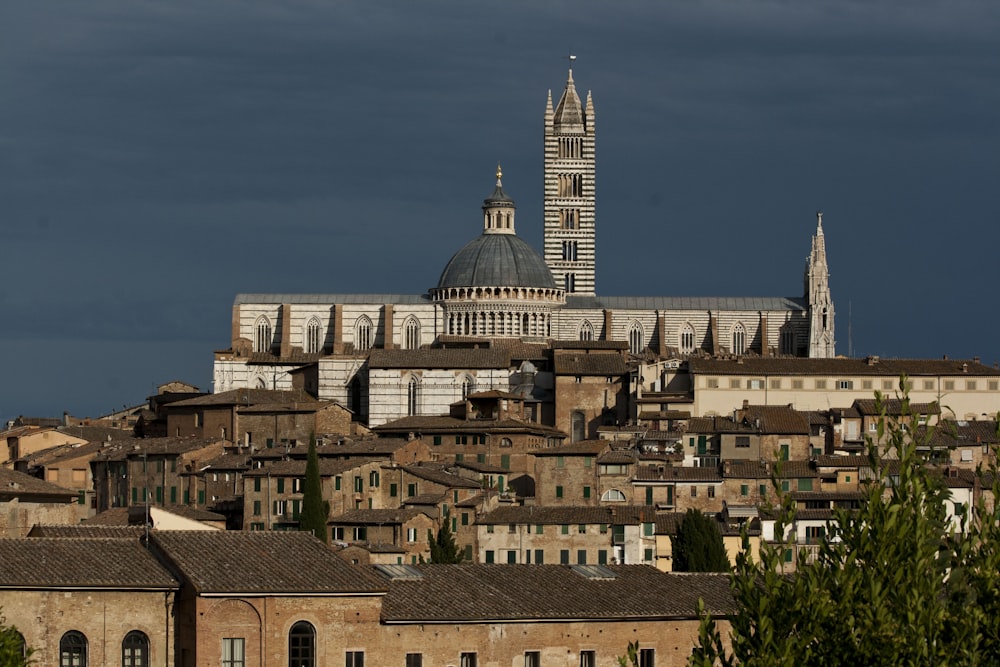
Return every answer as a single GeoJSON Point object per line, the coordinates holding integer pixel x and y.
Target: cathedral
{"type": "Point", "coordinates": [500, 308]}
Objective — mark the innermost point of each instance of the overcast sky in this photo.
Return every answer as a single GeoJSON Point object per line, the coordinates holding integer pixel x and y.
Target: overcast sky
{"type": "Point", "coordinates": [158, 158]}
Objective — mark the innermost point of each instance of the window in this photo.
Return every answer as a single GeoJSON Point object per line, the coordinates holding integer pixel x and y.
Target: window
{"type": "Point", "coordinates": [711, 492]}
{"type": "Point", "coordinates": [262, 335]}
{"type": "Point", "coordinates": [467, 660]}
{"type": "Point", "coordinates": [970, 385]}
{"type": "Point", "coordinates": [234, 652]}
{"type": "Point", "coordinates": [636, 339]}
{"type": "Point", "coordinates": [586, 492]}
{"type": "Point", "coordinates": [687, 339]}
{"type": "Point", "coordinates": [845, 384]}
{"type": "Point", "coordinates": [647, 657]}
{"type": "Point", "coordinates": [559, 492]}
{"type": "Point", "coordinates": [744, 490]}
{"type": "Point", "coordinates": [363, 333]}
{"type": "Point", "coordinates": [755, 384]}
{"type": "Point", "coordinates": [820, 384]}
{"type": "Point", "coordinates": [743, 441]}
{"type": "Point", "coordinates": [588, 659]}
{"type": "Point", "coordinates": [564, 556]}
{"type": "Point", "coordinates": [490, 557]}
{"type": "Point", "coordinates": [564, 529]}
{"type": "Point", "coordinates": [411, 334]}
{"type": "Point", "coordinates": [532, 659]}
{"type": "Point", "coordinates": [412, 397]}
{"type": "Point", "coordinates": [135, 650]}
{"type": "Point", "coordinates": [302, 645]}
{"type": "Point", "coordinates": [578, 426]}
{"type": "Point", "coordinates": [313, 338]}
{"type": "Point", "coordinates": [411, 535]}
{"type": "Point", "coordinates": [73, 650]}
{"type": "Point", "coordinates": [775, 383]}
{"type": "Point", "coordinates": [512, 557]}
{"type": "Point", "coordinates": [734, 383]}
{"type": "Point", "coordinates": [739, 339]}
{"type": "Point", "coordinates": [796, 384]}
{"type": "Point", "coordinates": [355, 659]}
{"type": "Point", "coordinates": [414, 660]}
{"type": "Point", "coordinates": [613, 495]}
{"type": "Point", "coordinates": [586, 331]}
{"type": "Point", "coordinates": [694, 491]}
{"type": "Point", "coordinates": [786, 338]}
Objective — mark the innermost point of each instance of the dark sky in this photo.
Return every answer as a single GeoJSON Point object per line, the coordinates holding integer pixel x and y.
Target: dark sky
{"type": "Point", "coordinates": [157, 158]}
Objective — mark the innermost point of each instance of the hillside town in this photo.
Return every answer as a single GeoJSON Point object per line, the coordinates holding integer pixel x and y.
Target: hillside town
{"type": "Point", "coordinates": [558, 435]}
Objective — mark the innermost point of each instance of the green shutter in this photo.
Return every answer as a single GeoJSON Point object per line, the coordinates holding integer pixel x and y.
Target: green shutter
{"type": "Point", "coordinates": [393, 490]}
{"type": "Point", "coordinates": [559, 492]}
{"type": "Point", "coordinates": [256, 484]}
{"type": "Point", "coordinates": [173, 495]}
{"type": "Point", "coordinates": [201, 497]}
{"type": "Point", "coordinates": [281, 485]}
{"type": "Point", "coordinates": [649, 495]}
{"type": "Point", "coordinates": [586, 492]}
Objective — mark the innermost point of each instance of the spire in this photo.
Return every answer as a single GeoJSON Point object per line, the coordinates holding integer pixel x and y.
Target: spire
{"type": "Point", "coordinates": [498, 209]}
{"type": "Point", "coordinates": [817, 288]}
{"type": "Point", "coordinates": [569, 111]}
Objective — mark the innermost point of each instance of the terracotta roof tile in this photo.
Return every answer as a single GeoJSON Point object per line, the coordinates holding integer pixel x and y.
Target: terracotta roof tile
{"type": "Point", "coordinates": [612, 365]}
{"type": "Point", "coordinates": [15, 484]}
{"type": "Point", "coordinates": [514, 592]}
{"type": "Point", "coordinates": [261, 563]}
{"type": "Point", "coordinates": [84, 562]}
{"type": "Point", "coordinates": [535, 514]}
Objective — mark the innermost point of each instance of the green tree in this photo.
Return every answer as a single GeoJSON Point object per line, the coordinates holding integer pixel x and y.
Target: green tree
{"type": "Point", "coordinates": [315, 510]}
{"type": "Point", "coordinates": [443, 547]}
{"type": "Point", "coordinates": [698, 546]}
{"type": "Point", "coordinates": [13, 652]}
{"type": "Point", "coordinates": [898, 583]}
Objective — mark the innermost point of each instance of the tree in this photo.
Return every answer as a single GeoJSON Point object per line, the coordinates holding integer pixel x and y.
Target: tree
{"type": "Point", "coordinates": [897, 583]}
{"type": "Point", "coordinates": [443, 547]}
{"type": "Point", "coordinates": [315, 511]}
{"type": "Point", "coordinates": [698, 546]}
{"type": "Point", "coordinates": [13, 652]}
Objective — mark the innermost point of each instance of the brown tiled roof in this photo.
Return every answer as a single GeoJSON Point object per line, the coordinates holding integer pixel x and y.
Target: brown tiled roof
{"type": "Point", "coordinates": [515, 592]}
{"type": "Point", "coordinates": [116, 516]}
{"type": "Point", "coordinates": [590, 364]}
{"type": "Point", "coordinates": [777, 419]}
{"type": "Point", "coordinates": [261, 563]}
{"type": "Point", "coordinates": [826, 495]}
{"type": "Point", "coordinates": [433, 424]}
{"type": "Point", "coordinates": [438, 475]}
{"type": "Point", "coordinates": [617, 456]}
{"type": "Point", "coordinates": [519, 350]}
{"type": "Point", "coordinates": [667, 523]}
{"type": "Point", "coordinates": [589, 345]}
{"type": "Point", "coordinates": [718, 424]}
{"type": "Point", "coordinates": [246, 397]}
{"type": "Point", "coordinates": [89, 530]}
{"type": "Point", "coordinates": [297, 468]}
{"type": "Point", "coordinates": [370, 447]}
{"type": "Point", "coordinates": [84, 562]}
{"type": "Point", "coordinates": [425, 499]}
{"type": "Point", "coordinates": [125, 448]}
{"type": "Point", "coordinates": [950, 433]}
{"type": "Point", "coordinates": [376, 516]}
{"type": "Point", "coordinates": [447, 358]}
{"type": "Point", "coordinates": [894, 407]}
{"type": "Point", "coordinates": [792, 469]}
{"type": "Point", "coordinates": [15, 484]}
{"type": "Point", "coordinates": [827, 461]}
{"type": "Point", "coordinates": [485, 468]}
{"type": "Point", "coordinates": [578, 448]}
{"type": "Point", "coordinates": [838, 367]}
{"type": "Point", "coordinates": [743, 469]}
{"type": "Point", "coordinates": [676, 473]}
{"type": "Point", "coordinates": [535, 514]}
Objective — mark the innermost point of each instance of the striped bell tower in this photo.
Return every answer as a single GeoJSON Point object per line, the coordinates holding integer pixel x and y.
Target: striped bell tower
{"type": "Point", "coordinates": [570, 231]}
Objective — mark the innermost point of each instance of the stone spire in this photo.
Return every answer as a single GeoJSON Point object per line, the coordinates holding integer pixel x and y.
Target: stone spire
{"type": "Point", "coordinates": [498, 209]}
{"type": "Point", "coordinates": [817, 292]}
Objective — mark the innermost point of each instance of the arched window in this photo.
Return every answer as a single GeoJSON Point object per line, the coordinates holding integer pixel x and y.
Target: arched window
{"type": "Point", "coordinates": [468, 386]}
{"type": "Point", "coordinates": [135, 650]}
{"type": "Point", "coordinates": [506, 442]}
{"type": "Point", "coordinates": [412, 397]}
{"type": "Point", "coordinates": [411, 334]}
{"type": "Point", "coordinates": [586, 330]}
{"type": "Point", "coordinates": [73, 650]}
{"type": "Point", "coordinates": [302, 645]}
{"type": "Point", "coordinates": [19, 643]}
{"type": "Point", "coordinates": [687, 339]}
{"type": "Point", "coordinates": [363, 334]}
{"type": "Point", "coordinates": [570, 279]}
{"type": "Point", "coordinates": [613, 496]}
{"type": "Point", "coordinates": [787, 340]}
{"type": "Point", "coordinates": [314, 339]}
{"type": "Point", "coordinates": [260, 382]}
{"type": "Point", "coordinates": [354, 395]}
{"type": "Point", "coordinates": [262, 335]}
{"type": "Point", "coordinates": [578, 426]}
{"type": "Point", "coordinates": [636, 339]}
{"type": "Point", "coordinates": [739, 339]}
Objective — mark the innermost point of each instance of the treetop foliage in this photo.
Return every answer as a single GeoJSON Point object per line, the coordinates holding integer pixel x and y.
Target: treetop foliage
{"type": "Point", "coordinates": [698, 545]}
{"type": "Point", "coordinates": [315, 510]}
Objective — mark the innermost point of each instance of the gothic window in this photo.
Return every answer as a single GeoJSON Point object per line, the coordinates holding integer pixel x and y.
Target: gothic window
{"type": "Point", "coordinates": [135, 650]}
{"type": "Point", "coordinates": [73, 650]}
{"type": "Point", "coordinates": [787, 340]}
{"type": "Point", "coordinates": [260, 382]}
{"type": "Point", "coordinates": [412, 397]}
{"type": "Point", "coordinates": [569, 251]}
{"type": "Point", "coordinates": [586, 330]}
{"type": "Point", "coordinates": [739, 339]}
{"type": "Point", "coordinates": [636, 339]}
{"type": "Point", "coordinates": [302, 645]}
{"type": "Point", "coordinates": [313, 338]}
{"type": "Point", "coordinates": [570, 282]}
{"type": "Point", "coordinates": [569, 218]}
{"type": "Point", "coordinates": [824, 318]}
{"type": "Point", "coordinates": [262, 335]}
{"type": "Point", "coordinates": [411, 334]}
{"type": "Point", "coordinates": [468, 386]}
{"type": "Point", "coordinates": [363, 334]}
{"type": "Point", "coordinates": [687, 339]}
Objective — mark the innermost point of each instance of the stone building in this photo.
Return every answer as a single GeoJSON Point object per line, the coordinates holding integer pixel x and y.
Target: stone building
{"type": "Point", "coordinates": [386, 356]}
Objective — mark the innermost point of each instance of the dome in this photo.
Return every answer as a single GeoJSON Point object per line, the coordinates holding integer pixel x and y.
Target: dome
{"type": "Point", "coordinates": [496, 260]}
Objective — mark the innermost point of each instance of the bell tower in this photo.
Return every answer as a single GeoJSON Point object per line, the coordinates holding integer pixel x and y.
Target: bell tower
{"type": "Point", "coordinates": [570, 230]}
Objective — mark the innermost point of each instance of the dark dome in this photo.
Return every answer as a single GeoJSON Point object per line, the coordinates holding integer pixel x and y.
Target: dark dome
{"type": "Point", "coordinates": [496, 260]}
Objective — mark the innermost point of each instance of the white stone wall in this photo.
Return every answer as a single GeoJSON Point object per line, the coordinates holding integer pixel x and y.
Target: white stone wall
{"type": "Point", "coordinates": [437, 390]}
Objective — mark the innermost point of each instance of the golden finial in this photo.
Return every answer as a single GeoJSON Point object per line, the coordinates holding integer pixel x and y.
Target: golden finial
{"type": "Point", "coordinates": [499, 173]}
